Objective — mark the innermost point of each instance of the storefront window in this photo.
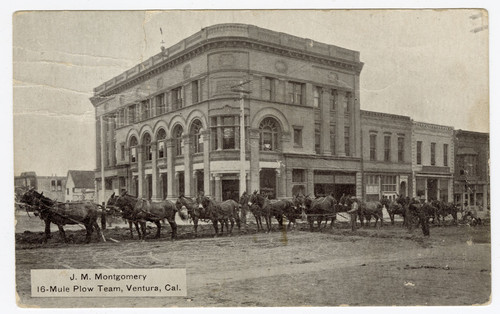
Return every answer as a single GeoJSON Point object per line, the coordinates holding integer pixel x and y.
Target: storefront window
{"type": "Point", "coordinates": [443, 190]}
{"type": "Point", "coordinates": [420, 188]}
{"type": "Point", "coordinates": [388, 183]}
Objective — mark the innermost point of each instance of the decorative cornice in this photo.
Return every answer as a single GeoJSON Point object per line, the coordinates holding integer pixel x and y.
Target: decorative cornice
{"type": "Point", "coordinates": [432, 126]}
{"type": "Point", "coordinates": [245, 36]}
{"type": "Point", "coordinates": [383, 115]}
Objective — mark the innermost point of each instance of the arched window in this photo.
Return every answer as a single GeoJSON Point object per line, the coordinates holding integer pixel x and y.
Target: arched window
{"type": "Point", "coordinates": [160, 138]}
{"type": "Point", "coordinates": [146, 142]}
{"type": "Point", "coordinates": [133, 149]}
{"type": "Point", "coordinates": [196, 138]}
{"type": "Point", "coordinates": [269, 133]}
{"type": "Point", "coordinates": [177, 137]}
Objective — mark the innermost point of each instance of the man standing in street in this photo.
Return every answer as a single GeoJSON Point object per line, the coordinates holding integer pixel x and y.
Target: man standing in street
{"type": "Point", "coordinates": [354, 213]}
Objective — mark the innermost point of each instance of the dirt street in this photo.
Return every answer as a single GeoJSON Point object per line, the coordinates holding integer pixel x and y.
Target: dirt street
{"type": "Point", "coordinates": [388, 266]}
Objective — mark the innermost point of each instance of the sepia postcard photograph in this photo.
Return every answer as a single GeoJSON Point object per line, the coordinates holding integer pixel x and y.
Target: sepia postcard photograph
{"type": "Point", "coordinates": [251, 158]}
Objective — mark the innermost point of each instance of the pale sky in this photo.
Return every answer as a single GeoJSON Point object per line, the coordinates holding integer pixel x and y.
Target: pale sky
{"type": "Point", "coordinates": [426, 64]}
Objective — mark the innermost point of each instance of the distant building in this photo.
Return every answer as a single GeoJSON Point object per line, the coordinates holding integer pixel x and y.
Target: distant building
{"type": "Point", "coordinates": [386, 153]}
{"type": "Point", "coordinates": [51, 186]}
{"type": "Point", "coordinates": [432, 161]}
{"type": "Point", "coordinates": [80, 186]}
{"type": "Point", "coordinates": [472, 173]}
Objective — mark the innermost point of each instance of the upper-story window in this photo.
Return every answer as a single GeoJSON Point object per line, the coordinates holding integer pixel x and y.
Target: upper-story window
{"type": "Point", "coordinates": [317, 97]}
{"type": "Point", "coordinates": [401, 149]}
{"type": "Point", "coordinates": [373, 146]}
{"type": "Point", "coordinates": [419, 152]}
{"type": "Point", "coordinates": [224, 132]}
{"type": "Point", "coordinates": [445, 155]}
{"type": "Point", "coordinates": [347, 102]}
{"type": "Point", "coordinates": [122, 151]}
{"type": "Point", "coordinates": [145, 109]}
{"type": "Point", "coordinates": [295, 91]}
{"type": "Point", "coordinates": [332, 138]}
{"type": "Point", "coordinates": [387, 148]}
{"type": "Point", "coordinates": [317, 138]}
{"type": "Point", "coordinates": [268, 89]}
{"type": "Point", "coordinates": [108, 163]}
{"type": "Point", "coordinates": [196, 139]}
{"type": "Point", "coordinates": [269, 134]}
{"type": "Point", "coordinates": [146, 142]}
{"type": "Point", "coordinates": [131, 114]}
{"type": "Point", "coordinates": [195, 91]}
{"type": "Point", "coordinates": [177, 137]}
{"type": "Point", "coordinates": [333, 99]}
{"type": "Point", "coordinates": [133, 149]}
{"type": "Point", "coordinates": [433, 154]}
{"type": "Point", "coordinates": [161, 135]}
{"type": "Point", "coordinates": [229, 132]}
{"type": "Point", "coordinates": [467, 165]}
{"type": "Point", "coordinates": [176, 98]}
{"type": "Point", "coordinates": [297, 136]}
{"type": "Point", "coordinates": [347, 144]}
{"type": "Point", "coordinates": [161, 104]}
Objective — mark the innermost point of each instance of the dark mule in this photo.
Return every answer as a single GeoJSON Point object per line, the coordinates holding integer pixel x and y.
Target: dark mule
{"type": "Point", "coordinates": [60, 214]}
{"type": "Point", "coordinates": [195, 212]}
{"type": "Point", "coordinates": [142, 210]}
{"type": "Point", "coordinates": [259, 206]}
{"type": "Point", "coordinates": [396, 207]}
{"type": "Point", "coordinates": [223, 212]}
{"type": "Point", "coordinates": [367, 210]}
{"type": "Point", "coordinates": [114, 211]}
{"type": "Point", "coordinates": [444, 209]}
{"type": "Point", "coordinates": [297, 210]}
{"type": "Point", "coordinates": [320, 208]}
{"type": "Point", "coordinates": [284, 209]}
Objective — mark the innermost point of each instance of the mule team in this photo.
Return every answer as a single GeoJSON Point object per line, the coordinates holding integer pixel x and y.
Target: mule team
{"type": "Point", "coordinates": [139, 211]}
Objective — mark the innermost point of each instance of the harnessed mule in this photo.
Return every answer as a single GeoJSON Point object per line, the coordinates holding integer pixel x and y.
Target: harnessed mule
{"type": "Point", "coordinates": [142, 210]}
{"type": "Point", "coordinates": [223, 212]}
{"type": "Point", "coordinates": [259, 206]}
{"type": "Point", "coordinates": [61, 214]}
{"type": "Point", "coordinates": [111, 204]}
{"type": "Point", "coordinates": [321, 208]}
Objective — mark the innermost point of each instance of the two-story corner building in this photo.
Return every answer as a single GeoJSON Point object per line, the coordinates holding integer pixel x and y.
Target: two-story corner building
{"type": "Point", "coordinates": [472, 177]}
{"type": "Point", "coordinates": [80, 186]}
{"type": "Point", "coordinates": [171, 124]}
{"type": "Point", "coordinates": [432, 161]}
{"type": "Point", "coordinates": [386, 149]}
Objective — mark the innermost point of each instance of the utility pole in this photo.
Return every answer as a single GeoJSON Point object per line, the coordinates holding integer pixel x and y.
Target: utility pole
{"type": "Point", "coordinates": [103, 178]}
{"type": "Point", "coordinates": [243, 93]}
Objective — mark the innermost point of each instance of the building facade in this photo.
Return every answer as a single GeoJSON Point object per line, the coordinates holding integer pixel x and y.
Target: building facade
{"type": "Point", "coordinates": [472, 173]}
{"type": "Point", "coordinates": [387, 158]}
{"type": "Point", "coordinates": [432, 161]}
{"type": "Point", "coordinates": [80, 186]}
{"type": "Point", "coordinates": [171, 125]}
{"type": "Point", "coordinates": [51, 186]}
